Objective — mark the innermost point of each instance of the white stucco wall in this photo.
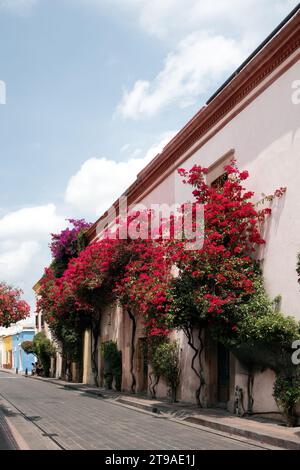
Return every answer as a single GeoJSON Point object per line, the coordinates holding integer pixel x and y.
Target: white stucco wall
{"type": "Point", "coordinates": [265, 136]}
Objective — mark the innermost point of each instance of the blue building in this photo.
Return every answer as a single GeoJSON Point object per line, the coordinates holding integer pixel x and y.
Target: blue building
{"type": "Point", "coordinates": [22, 360]}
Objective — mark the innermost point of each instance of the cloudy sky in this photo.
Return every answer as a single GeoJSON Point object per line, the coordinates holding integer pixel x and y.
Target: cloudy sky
{"type": "Point", "coordinates": [94, 90]}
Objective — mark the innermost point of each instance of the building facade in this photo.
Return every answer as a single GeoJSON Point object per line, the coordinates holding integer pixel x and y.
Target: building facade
{"type": "Point", "coordinates": [254, 118]}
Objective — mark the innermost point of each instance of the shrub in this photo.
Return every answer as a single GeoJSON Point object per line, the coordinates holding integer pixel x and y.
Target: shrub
{"type": "Point", "coordinates": [166, 363]}
{"type": "Point", "coordinates": [44, 350]}
{"type": "Point", "coordinates": [287, 395]}
{"type": "Point", "coordinates": [112, 364]}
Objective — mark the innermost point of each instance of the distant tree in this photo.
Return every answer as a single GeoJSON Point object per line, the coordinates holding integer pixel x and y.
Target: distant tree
{"type": "Point", "coordinates": [12, 307]}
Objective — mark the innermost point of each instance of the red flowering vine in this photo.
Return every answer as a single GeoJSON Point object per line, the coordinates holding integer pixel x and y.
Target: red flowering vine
{"type": "Point", "coordinates": [210, 281]}
{"type": "Point", "coordinates": [65, 243]}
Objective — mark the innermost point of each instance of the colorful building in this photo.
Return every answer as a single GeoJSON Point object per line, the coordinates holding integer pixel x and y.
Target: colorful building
{"type": "Point", "coordinates": [7, 352]}
{"type": "Point", "coordinates": [12, 355]}
{"type": "Point", "coordinates": [21, 360]}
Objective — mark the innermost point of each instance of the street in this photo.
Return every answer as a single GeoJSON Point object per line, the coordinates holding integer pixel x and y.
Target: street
{"type": "Point", "coordinates": [74, 420]}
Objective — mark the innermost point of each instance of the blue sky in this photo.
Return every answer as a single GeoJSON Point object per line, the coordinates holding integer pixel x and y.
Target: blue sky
{"type": "Point", "coordinates": [94, 89]}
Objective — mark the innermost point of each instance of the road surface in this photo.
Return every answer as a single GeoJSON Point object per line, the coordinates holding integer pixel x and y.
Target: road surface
{"type": "Point", "coordinates": [74, 420]}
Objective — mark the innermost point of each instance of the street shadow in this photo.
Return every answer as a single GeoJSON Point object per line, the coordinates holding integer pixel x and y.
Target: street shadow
{"type": "Point", "coordinates": [7, 412]}
{"type": "Point", "coordinates": [33, 418]}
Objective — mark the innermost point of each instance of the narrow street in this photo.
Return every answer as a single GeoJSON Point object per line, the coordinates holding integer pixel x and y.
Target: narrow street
{"type": "Point", "coordinates": [74, 420]}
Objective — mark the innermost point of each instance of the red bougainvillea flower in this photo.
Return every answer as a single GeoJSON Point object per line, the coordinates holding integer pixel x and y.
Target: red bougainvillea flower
{"type": "Point", "coordinates": [137, 271]}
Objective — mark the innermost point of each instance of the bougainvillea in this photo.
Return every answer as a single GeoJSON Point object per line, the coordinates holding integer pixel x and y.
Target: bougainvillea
{"type": "Point", "coordinates": [210, 281]}
{"type": "Point", "coordinates": [12, 307]}
{"type": "Point", "coordinates": [221, 273]}
{"type": "Point", "coordinates": [65, 243]}
{"type": "Point", "coordinates": [215, 277]}
{"type": "Point", "coordinates": [143, 287]}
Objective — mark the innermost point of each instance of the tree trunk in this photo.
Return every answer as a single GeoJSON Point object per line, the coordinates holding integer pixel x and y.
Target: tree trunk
{"type": "Point", "coordinates": [133, 332]}
{"type": "Point", "coordinates": [250, 392]}
{"type": "Point", "coordinates": [153, 386]}
{"type": "Point", "coordinates": [197, 353]}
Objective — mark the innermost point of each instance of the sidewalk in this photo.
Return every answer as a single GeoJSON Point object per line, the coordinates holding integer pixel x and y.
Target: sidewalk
{"type": "Point", "coordinates": [254, 428]}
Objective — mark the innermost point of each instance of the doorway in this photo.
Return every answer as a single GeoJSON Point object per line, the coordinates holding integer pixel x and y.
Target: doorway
{"type": "Point", "coordinates": [223, 375]}
{"type": "Point", "coordinates": [142, 379]}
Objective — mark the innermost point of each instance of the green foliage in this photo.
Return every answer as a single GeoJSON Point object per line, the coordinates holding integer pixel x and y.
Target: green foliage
{"type": "Point", "coordinates": [166, 364]}
{"type": "Point", "coordinates": [263, 335]}
{"type": "Point", "coordinates": [187, 311]}
{"type": "Point", "coordinates": [69, 332]}
{"type": "Point", "coordinates": [59, 265]}
{"type": "Point", "coordinates": [287, 394]}
{"type": "Point", "coordinates": [27, 347]}
{"type": "Point", "coordinates": [44, 350]}
{"type": "Point", "coordinates": [82, 241]}
{"type": "Point", "coordinates": [269, 329]}
{"type": "Point", "coordinates": [112, 364]}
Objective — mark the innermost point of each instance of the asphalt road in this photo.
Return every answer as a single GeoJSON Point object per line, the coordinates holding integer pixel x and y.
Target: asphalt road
{"type": "Point", "coordinates": [75, 420]}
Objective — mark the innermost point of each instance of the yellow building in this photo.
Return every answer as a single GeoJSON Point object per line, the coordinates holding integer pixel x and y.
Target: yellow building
{"type": "Point", "coordinates": [7, 349]}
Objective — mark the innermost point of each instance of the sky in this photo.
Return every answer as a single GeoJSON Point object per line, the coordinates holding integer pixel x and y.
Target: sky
{"type": "Point", "coordinates": [94, 90]}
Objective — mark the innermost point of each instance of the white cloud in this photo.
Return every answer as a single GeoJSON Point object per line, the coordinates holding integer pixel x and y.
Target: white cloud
{"type": "Point", "coordinates": [187, 73]}
{"type": "Point", "coordinates": [17, 6]}
{"type": "Point", "coordinates": [100, 181]}
{"type": "Point", "coordinates": [32, 221]}
{"type": "Point", "coordinates": [173, 19]}
{"type": "Point", "coordinates": [208, 39]}
{"type": "Point", "coordinates": [15, 262]}
{"type": "Point", "coordinates": [24, 237]}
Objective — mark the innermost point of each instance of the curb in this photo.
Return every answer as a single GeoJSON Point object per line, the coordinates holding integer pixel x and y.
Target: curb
{"type": "Point", "coordinates": [260, 437]}
{"type": "Point", "coordinates": [254, 435]}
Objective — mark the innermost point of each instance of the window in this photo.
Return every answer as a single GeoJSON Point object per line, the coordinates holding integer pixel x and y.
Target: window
{"type": "Point", "coordinates": [37, 321]}
{"type": "Point", "coordinates": [219, 181]}
{"type": "Point", "coordinates": [216, 176]}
